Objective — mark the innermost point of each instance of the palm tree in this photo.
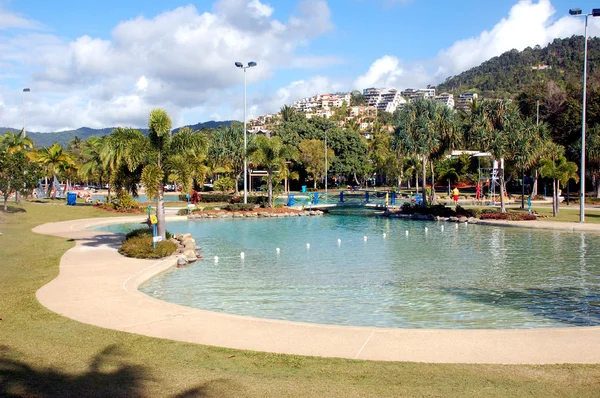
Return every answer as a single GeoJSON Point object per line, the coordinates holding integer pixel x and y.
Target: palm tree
{"type": "Point", "coordinates": [271, 154]}
{"type": "Point", "coordinates": [92, 167]}
{"type": "Point", "coordinates": [417, 133]}
{"type": "Point", "coordinates": [16, 143]}
{"type": "Point", "coordinates": [54, 159]}
{"type": "Point", "coordinates": [161, 155]}
{"type": "Point", "coordinates": [493, 123]}
{"type": "Point", "coordinates": [555, 166]}
{"type": "Point", "coordinates": [287, 113]}
{"type": "Point", "coordinates": [114, 153]}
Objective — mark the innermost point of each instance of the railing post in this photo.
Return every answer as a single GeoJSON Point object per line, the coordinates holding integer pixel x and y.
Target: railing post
{"type": "Point", "coordinates": [366, 196]}
{"type": "Point", "coordinates": [341, 196]}
{"type": "Point", "coordinates": [393, 198]}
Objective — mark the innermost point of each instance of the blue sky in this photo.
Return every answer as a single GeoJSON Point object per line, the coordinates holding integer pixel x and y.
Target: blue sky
{"type": "Point", "coordinates": [107, 63]}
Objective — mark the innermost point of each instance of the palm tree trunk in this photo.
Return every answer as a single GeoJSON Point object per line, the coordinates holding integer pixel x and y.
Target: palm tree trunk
{"type": "Point", "coordinates": [534, 190]}
{"type": "Point", "coordinates": [432, 199]}
{"type": "Point", "coordinates": [502, 203]}
{"type": "Point", "coordinates": [237, 178]}
{"type": "Point", "coordinates": [270, 183]}
{"type": "Point", "coordinates": [553, 198]}
{"type": "Point", "coordinates": [315, 181]}
{"type": "Point", "coordinates": [399, 183]}
{"type": "Point", "coordinates": [557, 195]}
{"type": "Point", "coordinates": [423, 192]}
{"type": "Point", "coordinates": [160, 213]}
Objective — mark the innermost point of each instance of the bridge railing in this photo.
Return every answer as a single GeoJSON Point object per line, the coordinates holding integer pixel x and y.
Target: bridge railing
{"type": "Point", "coordinates": [353, 197]}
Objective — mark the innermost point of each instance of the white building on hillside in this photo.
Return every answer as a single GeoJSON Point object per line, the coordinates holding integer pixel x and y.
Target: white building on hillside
{"type": "Point", "coordinates": [413, 94]}
{"type": "Point", "coordinates": [446, 99]}
{"type": "Point", "coordinates": [464, 101]}
{"type": "Point", "coordinates": [384, 99]}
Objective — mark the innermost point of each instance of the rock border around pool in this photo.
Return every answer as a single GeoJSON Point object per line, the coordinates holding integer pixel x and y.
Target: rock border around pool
{"type": "Point", "coordinates": [254, 214]}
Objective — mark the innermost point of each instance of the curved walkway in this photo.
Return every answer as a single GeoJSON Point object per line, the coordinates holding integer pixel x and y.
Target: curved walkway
{"type": "Point", "coordinates": [98, 286]}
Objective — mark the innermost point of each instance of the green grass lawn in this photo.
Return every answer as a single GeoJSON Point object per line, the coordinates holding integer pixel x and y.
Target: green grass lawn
{"type": "Point", "coordinates": [43, 354]}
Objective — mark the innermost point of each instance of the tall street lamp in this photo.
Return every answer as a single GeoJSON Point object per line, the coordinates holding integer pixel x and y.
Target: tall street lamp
{"type": "Point", "coordinates": [325, 132]}
{"type": "Point", "coordinates": [250, 65]}
{"type": "Point", "coordinates": [595, 13]}
{"type": "Point", "coordinates": [25, 90]}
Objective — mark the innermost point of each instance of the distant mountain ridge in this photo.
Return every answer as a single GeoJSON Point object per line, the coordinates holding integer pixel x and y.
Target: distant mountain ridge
{"type": "Point", "coordinates": [63, 137]}
{"type": "Point", "coordinates": [508, 74]}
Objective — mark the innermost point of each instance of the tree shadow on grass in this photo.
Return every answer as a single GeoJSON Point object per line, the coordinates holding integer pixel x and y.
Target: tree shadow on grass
{"type": "Point", "coordinates": [12, 209]}
{"type": "Point", "coordinates": [568, 305]}
{"type": "Point", "coordinates": [107, 376]}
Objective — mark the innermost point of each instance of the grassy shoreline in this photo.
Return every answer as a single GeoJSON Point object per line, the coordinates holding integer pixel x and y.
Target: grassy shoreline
{"type": "Point", "coordinates": [45, 354]}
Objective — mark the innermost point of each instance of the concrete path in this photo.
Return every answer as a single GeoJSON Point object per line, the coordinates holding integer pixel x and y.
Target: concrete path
{"type": "Point", "coordinates": [98, 286]}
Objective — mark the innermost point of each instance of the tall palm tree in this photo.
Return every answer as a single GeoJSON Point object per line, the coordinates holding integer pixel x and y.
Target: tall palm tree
{"type": "Point", "coordinates": [287, 113]}
{"type": "Point", "coordinates": [15, 143]}
{"type": "Point", "coordinates": [493, 123]}
{"type": "Point", "coordinates": [114, 153]}
{"type": "Point", "coordinates": [161, 155]}
{"type": "Point", "coordinates": [271, 154]}
{"type": "Point", "coordinates": [92, 167]}
{"type": "Point", "coordinates": [417, 133]}
{"type": "Point", "coordinates": [54, 159]}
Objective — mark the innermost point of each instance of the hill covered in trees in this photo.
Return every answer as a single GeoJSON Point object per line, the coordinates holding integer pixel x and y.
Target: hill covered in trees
{"type": "Point", "coordinates": [507, 75]}
{"type": "Point", "coordinates": [83, 133]}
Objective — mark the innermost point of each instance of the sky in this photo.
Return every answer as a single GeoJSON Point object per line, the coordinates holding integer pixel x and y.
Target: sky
{"type": "Point", "coordinates": [108, 63]}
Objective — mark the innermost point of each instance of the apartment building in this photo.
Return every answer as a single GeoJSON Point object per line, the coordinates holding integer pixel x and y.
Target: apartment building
{"type": "Point", "coordinates": [464, 101]}
{"type": "Point", "coordinates": [446, 99]}
{"type": "Point", "coordinates": [413, 94]}
{"type": "Point", "coordinates": [384, 99]}
{"type": "Point", "coordinates": [322, 101]}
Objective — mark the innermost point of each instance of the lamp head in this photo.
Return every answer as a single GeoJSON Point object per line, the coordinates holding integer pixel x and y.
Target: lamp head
{"type": "Point", "coordinates": [575, 11]}
{"type": "Point", "coordinates": [251, 64]}
{"type": "Point", "coordinates": [239, 64]}
{"type": "Point", "coordinates": [596, 12]}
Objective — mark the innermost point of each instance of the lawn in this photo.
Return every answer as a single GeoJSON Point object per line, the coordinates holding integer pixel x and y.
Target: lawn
{"type": "Point", "coordinates": [43, 354]}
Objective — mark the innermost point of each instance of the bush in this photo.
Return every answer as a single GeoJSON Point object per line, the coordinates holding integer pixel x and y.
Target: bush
{"type": "Point", "coordinates": [124, 202]}
{"type": "Point", "coordinates": [212, 198]}
{"type": "Point", "coordinates": [144, 233]}
{"type": "Point", "coordinates": [462, 212]}
{"type": "Point", "coordinates": [239, 207]}
{"type": "Point", "coordinates": [437, 210]}
{"type": "Point", "coordinates": [182, 212]}
{"type": "Point", "coordinates": [141, 247]}
{"type": "Point", "coordinates": [224, 184]}
{"type": "Point", "coordinates": [507, 216]}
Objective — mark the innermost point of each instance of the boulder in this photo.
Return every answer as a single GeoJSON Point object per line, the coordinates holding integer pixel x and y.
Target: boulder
{"type": "Point", "coordinates": [186, 236]}
{"type": "Point", "coordinates": [177, 236]}
{"type": "Point", "coordinates": [189, 254]}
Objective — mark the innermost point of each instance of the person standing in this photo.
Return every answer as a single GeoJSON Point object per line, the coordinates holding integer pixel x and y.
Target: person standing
{"type": "Point", "coordinates": [478, 193]}
{"type": "Point", "coordinates": [455, 195]}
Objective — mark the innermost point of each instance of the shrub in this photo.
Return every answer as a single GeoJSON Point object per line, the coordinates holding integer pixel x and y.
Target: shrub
{"type": "Point", "coordinates": [507, 216]}
{"type": "Point", "coordinates": [224, 184]}
{"type": "Point", "coordinates": [461, 211]}
{"type": "Point", "coordinates": [144, 233]}
{"type": "Point", "coordinates": [124, 202]}
{"type": "Point", "coordinates": [182, 212]}
{"type": "Point", "coordinates": [212, 198]}
{"type": "Point", "coordinates": [239, 207]}
{"type": "Point", "coordinates": [437, 210]}
{"type": "Point", "coordinates": [142, 247]}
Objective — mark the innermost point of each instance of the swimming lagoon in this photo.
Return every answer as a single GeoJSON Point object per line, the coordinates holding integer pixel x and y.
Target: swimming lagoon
{"type": "Point", "coordinates": [419, 275]}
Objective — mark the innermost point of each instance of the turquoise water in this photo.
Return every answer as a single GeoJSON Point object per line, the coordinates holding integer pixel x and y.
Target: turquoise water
{"type": "Point", "coordinates": [457, 278]}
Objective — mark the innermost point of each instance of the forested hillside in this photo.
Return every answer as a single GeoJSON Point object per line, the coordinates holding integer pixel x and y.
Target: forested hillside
{"type": "Point", "coordinates": [83, 133]}
{"type": "Point", "coordinates": [507, 75]}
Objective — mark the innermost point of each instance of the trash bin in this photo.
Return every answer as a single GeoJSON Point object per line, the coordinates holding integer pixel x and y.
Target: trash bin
{"type": "Point", "coordinates": [71, 199]}
{"type": "Point", "coordinates": [303, 188]}
{"type": "Point", "coordinates": [290, 202]}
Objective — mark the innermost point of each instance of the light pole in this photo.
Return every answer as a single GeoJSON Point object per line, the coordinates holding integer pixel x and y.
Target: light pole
{"type": "Point", "coordinates": [595, 13]}
{"type": "Point", "coordinates": [250, 65]}
{"type": "Point", "coordinates": [325, 131]}
{"type": "Point", "coordinates": [25, 90]}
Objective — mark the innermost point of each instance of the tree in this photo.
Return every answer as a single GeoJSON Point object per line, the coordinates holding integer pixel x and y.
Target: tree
{"type": "Point", "coordinates": [272, 154]}
{"type": "Point", "coordinates": [114, 154]}
{"type": "Point", "coordinates": [15, 143]}
{"type": "Point", "coordinates": [54, 159]}
{"type": "Point", "coordinates": [92, 166]}
{"type": "Point", "coordinates": [357, 98]}
{"type": "Point", "coordinates": [559, 169]}
{"type": "Point", "coordinates": [162, 155]}
{"type": "Point", "coordinates": [226, 150]}
{"type": "Point", "coordinates": [417, 132]}
{"type": "Point", "coordinates": [287, 113]}
{"type": "Point", "coordinates": [17, 173]}
{"type": "Point", "coordinates": [493, 123]}
{"type": "Point", "coordinates": [312, 156]}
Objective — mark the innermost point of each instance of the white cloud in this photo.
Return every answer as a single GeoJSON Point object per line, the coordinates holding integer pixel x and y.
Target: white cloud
{"type": "Point", "coordinates": [142, 83]}
{"type": "Point", "coordinates": [181, 59]}
{"type": "Point", "coordinates": [10, 20]}
{"type": "Point", "coordinates": [528, 24]}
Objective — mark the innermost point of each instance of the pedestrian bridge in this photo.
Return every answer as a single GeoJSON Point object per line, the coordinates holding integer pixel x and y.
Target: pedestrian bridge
{"type": "Point", "coordinates": [355, 198]}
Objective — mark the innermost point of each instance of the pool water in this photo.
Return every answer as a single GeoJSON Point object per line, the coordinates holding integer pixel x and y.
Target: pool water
{"type": "Point", "coordinates": [420, 275]}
